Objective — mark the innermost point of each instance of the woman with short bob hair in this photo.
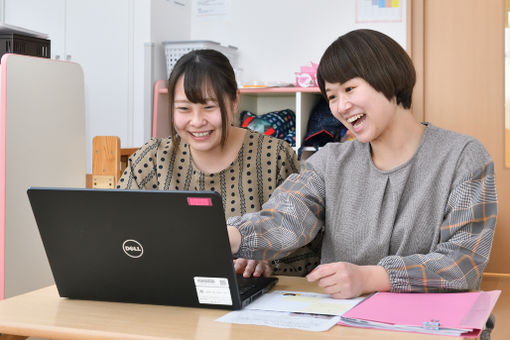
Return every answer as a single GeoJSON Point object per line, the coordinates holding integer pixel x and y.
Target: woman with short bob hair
{"type": "Point", "coordinates": [405, 207]}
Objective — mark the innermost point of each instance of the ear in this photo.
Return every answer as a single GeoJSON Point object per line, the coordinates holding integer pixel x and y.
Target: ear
{"type": "Point", "coordinates": [235, 107]}
{"type": "Point", "coordinates": [235, 104]}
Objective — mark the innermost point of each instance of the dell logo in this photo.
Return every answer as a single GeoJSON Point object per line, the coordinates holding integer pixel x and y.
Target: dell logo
{"type": "Point", "coordinates": [132, 248]}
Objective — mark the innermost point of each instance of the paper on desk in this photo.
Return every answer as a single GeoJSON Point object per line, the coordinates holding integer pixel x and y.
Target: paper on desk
{"type": "Point", "coordinates": [302, 321]}
{"type": "Point", "coordinates": [303, 302]}
{"type": "Point", "coordinates": [290, 309]}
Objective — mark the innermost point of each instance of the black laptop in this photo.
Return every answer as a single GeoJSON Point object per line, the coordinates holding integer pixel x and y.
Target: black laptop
{"type": "Point", "coordinates": [154, 247]}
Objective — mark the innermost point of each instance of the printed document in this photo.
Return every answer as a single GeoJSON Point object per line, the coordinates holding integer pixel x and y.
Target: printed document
{"type": "Point", "coordinates": [290, 309]}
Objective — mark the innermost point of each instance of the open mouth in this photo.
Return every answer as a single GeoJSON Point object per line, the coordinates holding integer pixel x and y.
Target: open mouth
{"type": "Point", "coordinates": [356, 120]}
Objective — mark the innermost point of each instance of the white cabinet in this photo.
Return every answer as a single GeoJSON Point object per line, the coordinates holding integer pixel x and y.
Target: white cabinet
{"type": "Point", "coordinates": [53, 138]}
{"type": "Point", "coordinates": [299, 100]}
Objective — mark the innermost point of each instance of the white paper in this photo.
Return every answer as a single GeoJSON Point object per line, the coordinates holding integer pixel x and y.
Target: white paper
{"type": "Point", "coordinates": [302, 321]}
{"type": "Point", "coordinates": [212, 9]}
{"type": "Point", "coordinates": [303, 302]}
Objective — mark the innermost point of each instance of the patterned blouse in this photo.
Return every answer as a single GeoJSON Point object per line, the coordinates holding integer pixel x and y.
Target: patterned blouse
{"type": "Point", "coordinates": [429, 222]}
{"type": "Point", "coordinates": [263, 162]}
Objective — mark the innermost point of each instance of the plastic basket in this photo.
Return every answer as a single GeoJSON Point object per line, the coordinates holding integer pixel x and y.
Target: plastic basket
{"type": "Point", "coordinates": [176, 49]}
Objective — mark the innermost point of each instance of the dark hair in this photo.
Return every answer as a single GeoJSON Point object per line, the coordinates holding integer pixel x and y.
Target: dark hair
{"type": "Point", "coordinates": [203, 70]}
{"type": "Point", "coordinates": [373, 56]}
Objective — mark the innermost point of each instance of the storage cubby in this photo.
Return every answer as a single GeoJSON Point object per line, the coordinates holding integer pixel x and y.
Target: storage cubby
{"type": "Point", "coordinates": [299, 100]}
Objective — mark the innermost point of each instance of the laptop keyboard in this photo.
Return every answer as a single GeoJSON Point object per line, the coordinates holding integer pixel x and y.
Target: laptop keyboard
{"type": "Point", "coordinates": [251, 285]}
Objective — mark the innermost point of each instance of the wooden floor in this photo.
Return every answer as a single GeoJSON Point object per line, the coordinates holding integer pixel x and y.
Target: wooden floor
{"type": "Point", "coordinates": [502, 309]}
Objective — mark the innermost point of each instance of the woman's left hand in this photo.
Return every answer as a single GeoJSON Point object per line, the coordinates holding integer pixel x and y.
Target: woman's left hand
{"type": "Point", "coordinates": [344, 280]}
{"type": "Point", "coordinates": [256, 268]}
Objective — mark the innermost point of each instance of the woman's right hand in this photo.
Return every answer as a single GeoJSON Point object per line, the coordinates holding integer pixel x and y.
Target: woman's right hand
{"type": "Point", "coordinates": [257, 268]}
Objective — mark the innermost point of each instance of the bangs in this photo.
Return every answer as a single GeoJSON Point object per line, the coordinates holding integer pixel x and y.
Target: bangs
{"type": "Point", "coordinates": [334, 71]}
{"type": "Point", "coordinates": [198, 85]}
{"type": "Point", "coordinates": [337, 66]}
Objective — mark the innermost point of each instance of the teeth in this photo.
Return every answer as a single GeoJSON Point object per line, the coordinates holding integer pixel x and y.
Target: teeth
{"type": "Point", "coordinates": [200, 134]}
{"type": "Point", "coordinates": [353, 118]}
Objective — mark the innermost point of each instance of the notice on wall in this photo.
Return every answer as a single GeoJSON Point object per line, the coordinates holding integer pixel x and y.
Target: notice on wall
{"type": "Point", "coordinates": [212, 9]}
{"type": "Point", "coordinates": [379, 11]}
{"type": "Point", "coordinates": [182, 3]}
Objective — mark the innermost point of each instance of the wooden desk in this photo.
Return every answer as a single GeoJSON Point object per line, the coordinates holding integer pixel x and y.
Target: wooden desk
{"type": "Point", "coordinates": [42, 313]}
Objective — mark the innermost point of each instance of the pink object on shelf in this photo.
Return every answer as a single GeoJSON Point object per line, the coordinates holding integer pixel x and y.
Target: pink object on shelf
{"type": "Point", "coordinates": [307, 76]}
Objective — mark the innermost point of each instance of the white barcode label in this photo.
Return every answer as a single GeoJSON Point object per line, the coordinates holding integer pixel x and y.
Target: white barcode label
{"type": "Point", "coordinates": [213, 290]}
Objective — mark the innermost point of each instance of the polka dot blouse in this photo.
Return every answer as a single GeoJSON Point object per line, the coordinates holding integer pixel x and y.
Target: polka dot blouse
{"type": "Point", "coordinates": [263, 162]}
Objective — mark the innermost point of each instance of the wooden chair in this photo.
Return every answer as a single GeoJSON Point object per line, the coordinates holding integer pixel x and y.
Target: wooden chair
{"type": "Point", "coordinates": [108, 158]}
{"type": "Point", "coordinates": [108, 162]}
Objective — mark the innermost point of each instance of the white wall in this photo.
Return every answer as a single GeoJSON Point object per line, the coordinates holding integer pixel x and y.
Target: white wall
{"type": "Point", "coordinates": [154, 21]}
{"type": "Point", "coordinates": [141, 18]}
{"type": "Point", "coordinates": [276, 37]}
{"type": "Point", "coordinates": [170, 20]}
{"type": "Point", "coordinates": [108, 39]}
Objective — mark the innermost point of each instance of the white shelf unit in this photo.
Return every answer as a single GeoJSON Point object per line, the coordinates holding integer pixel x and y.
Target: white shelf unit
{"type": "Point", "coordinates": [299, 100]}
{"type": "Point", "coordinates": [256, 100]}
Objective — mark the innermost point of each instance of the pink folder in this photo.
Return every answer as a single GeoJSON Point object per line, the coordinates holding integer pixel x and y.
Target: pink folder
{"type": "Point", "coordinates": [437, 313]}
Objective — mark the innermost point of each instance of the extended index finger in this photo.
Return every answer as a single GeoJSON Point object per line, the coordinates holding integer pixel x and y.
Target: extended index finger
{"type": "Point", "coordinates": [320, 272]}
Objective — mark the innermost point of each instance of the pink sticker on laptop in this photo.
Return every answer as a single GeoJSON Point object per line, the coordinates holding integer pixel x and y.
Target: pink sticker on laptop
{"type": "Point", "coordinates": [199, 201]}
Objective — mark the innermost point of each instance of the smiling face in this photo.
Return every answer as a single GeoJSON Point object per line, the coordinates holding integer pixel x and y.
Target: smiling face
{"type": "Point", "coordinates": [373, 57]}
{"type": "Point", "coordinates": [368, 114]}
{"type": "Point", "coordinates": [202, 79]}
{"type": "Point", "coordinates": [198, 124]}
